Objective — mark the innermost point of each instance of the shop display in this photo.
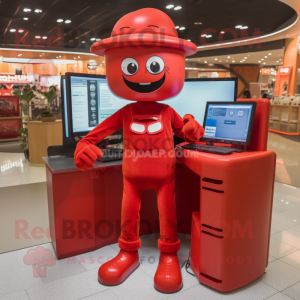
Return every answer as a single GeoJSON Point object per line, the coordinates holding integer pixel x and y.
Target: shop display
{"type": "Point", "coordinates": [147, 128]}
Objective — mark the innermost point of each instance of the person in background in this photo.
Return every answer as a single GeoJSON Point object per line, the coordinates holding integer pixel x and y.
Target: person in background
{"type": "Point", "coordinates": [247, 94]}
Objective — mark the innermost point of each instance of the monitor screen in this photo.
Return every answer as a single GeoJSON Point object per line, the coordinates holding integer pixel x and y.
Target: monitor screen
{"type": "Point", "coordinates": [197, 92]}
{"type": "Point", "coordinates": [91, 102]}
{"type": "Point", "coordinates": [229, 122]}
{"type": "Point", "coordinates": [64, 96]}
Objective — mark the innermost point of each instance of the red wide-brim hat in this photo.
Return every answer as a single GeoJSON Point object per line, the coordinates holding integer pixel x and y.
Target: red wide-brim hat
{"type": "Point", "coordinates": [145, 28]}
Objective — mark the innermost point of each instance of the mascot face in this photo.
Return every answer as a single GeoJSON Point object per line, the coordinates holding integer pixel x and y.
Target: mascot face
{"type": "Point", "coordinates": [140, 74]}
{"type": "Point", "coordinates": [144, 58]}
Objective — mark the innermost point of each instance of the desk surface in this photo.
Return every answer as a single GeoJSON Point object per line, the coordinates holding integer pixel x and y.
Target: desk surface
{"type": "Point", "coordinates": [63, 164]}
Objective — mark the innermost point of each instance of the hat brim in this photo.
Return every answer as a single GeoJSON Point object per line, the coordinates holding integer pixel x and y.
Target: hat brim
{"type": "Point", "coordinates": [145, 40]}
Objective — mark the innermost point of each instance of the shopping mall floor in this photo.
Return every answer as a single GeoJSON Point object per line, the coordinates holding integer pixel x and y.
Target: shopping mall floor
{"type": "Point", "coordinates": [76, 278]}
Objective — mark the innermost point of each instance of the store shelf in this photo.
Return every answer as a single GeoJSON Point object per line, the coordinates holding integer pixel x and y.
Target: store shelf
{"type": "Point", "coordinates": [8, 140]}
{"type": "Point", "coordinates": [288, 119]}
{"type": "Point", "coordinates": [9, 118]}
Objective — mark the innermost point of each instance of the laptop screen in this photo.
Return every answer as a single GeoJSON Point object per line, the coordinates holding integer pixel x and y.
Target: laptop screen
{"type": "Point", "coordinates": [229, 122]}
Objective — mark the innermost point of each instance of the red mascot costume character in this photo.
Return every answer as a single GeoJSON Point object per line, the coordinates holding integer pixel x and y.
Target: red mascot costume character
{"type": "Point", "coordinates": [145, 62]}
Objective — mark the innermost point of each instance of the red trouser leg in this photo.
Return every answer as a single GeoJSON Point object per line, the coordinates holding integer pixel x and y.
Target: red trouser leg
{"type": "Point", "coordinates": [168, 242]}
{"type": "Point", "coordinates": [131, 203]}
{"type": "Point", "coordinates": [129, 239]}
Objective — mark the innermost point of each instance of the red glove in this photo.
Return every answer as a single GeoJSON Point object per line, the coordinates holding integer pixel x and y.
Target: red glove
{"type": "Point", "coordinates": [192, 130]}
{"type": "Point", "coordinates": [85, 158]}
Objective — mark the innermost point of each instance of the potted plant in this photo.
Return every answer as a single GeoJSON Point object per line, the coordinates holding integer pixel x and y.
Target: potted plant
{"type": "Point", "coordinates": [50, 95]}
{"type": "Point", "coordinates": [46, 116]}
{"type": "Point", "coordinates": [25, 95]}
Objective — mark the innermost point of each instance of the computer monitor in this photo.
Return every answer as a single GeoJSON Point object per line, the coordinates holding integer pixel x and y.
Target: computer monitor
{"type": "Point", "coordinates": [197, 92]}
{"type": "Point", "coordinates": [229, 123]}
{"type": "Point", "coordinates": [68, 141]}
{"type": "Point", "coordinates": [90, 101]}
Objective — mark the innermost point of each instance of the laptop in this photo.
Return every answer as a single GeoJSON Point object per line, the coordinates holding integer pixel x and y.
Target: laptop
{"type": "Point", "coordinates": [228, 123]}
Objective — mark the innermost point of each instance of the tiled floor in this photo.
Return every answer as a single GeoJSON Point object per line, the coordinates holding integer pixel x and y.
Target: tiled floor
{"type": "Point", "coordinates": [76, 278]}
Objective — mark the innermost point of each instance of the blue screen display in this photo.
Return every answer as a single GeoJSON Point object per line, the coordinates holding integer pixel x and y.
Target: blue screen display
{"type": "Point", "coordinates": [195, 94]}
{"type": "Point", "coordinates": [92, 101]}
{"type": "Point", "coordinates": [228, 121]}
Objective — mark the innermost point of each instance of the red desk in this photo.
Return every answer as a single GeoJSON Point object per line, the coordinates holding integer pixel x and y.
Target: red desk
{"type": "Point", "coordinates": [231, 227]}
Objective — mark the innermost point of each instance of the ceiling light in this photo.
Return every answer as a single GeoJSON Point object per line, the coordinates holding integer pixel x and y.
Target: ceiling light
{"type": "Point", "coordinates": [198, 23]}
{"type": "Point", "coordinates": [233, 61]}
{"type": "Point", "coordinates": [264, 63]}
{"type": "Point", "coordinates": [103, 62]}
{"type": "Point", "coordinates": [228, 56]}
{"type": "Point", "coordinates": [26, 9]}
{"type": "Point", "coordinates": [177, 7]}
{"type": "Point", "coordinates": [74, 57]}
{"type": "Point", "coordinates": [40, 55]}
{"type": "Point", "coordinates": [44, 37]}
{"type": "Point", "coordinates": [241, 61]}
{"type": "Point", "coordinates": [245, 57]}
{"type": "Point", "coordinates": [188, 40]}
{"type": "Point", "coordinates": [68, 21]}
{"type": "Point", "coordinates": [245, 27]}
{"type": "Point", "coordinates": [222, 32]}
{"type": "Point", "coordinates": [78, 56]}
{"type": "Point", "coordinates": [203, 35]}
{"type": "Point", "coordinates": [98, 40]}
{"type": "Point", "coordinates": [56, 56]}
{"type": "Point", "coordinates": [12, 30]}
{"type": "Point", "coordinates": [206, 62]}
{"type": "Point", "coordinates": [279, 58]}
{"type": "Point", "coordinates": [37, 36]}
{"type": "Point", "coordinates": [239, 26]}
{"type": "Point", "coordinates": [83, 42]}
{"type": "Point", "coordinates": [37, 10]}
{"type": "Point", "coordinates": [266, 56]}
{"type": "Point", "coordinates": [262, 59]}
{"type": "Point", "coordinates": [209, 36]}
{"type": "Point", "coordinates": [25, 19]}
{"type": "Point", "coordinates": [277, 61]}
{"type": "Point", "coordinates": [60, 56]}
{"type": "Point", "coordinates": [169, 6]}
{"type": "Point", "coordinates": [259, 61]}
{"type": "Point", "coordinates": [20, 54]}
{"type": "Point", "coordinates": [60, 20]}
{"type": "Point", "coordinates": [220, 61]}
{"type": "Point", "coordinates": [181, 28]}
{"type": "Point", "coordinates": [21, 30]}
{"type": "Point", "coordinates": [216, 59]}
{"type": "Point", "coordinates": [270, 53]}
{"type": "Point", "coordinates": [176, 27]}
{"type": "Point", "coordinates": [92, 39]}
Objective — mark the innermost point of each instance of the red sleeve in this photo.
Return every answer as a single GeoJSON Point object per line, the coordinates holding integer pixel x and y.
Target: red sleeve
{"type": "Point", "coordinates": [177, 123]}
{"type": "Point", "coordinates": [104, 129]}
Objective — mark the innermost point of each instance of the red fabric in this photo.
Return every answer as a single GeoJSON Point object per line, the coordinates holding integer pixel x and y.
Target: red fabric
{"type": "Point", "coordinates": [148, 163]}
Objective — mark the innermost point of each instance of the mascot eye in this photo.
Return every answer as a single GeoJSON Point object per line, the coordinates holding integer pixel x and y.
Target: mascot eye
{"type": "Point", "coordinates": [129, 66]}
{"type": "Point", "coordinates": [155, 65]}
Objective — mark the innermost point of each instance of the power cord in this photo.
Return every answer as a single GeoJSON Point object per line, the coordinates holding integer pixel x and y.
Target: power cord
{"type": "Point", "coordinates": [187, 265]}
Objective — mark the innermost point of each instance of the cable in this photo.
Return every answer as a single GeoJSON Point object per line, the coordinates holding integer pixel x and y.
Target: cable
{"type": "Point", "coordinates": [187, 265]}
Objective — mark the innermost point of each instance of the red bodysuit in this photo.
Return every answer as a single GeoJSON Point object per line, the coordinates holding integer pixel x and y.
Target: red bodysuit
{"type": "Point", "coordinates": [148, 163]}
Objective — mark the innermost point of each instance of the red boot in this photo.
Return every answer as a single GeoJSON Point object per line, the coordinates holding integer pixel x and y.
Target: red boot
{"type": "Point", "coordinates": [119, 268]}
{"type": "Point", "coordinates": [167, 278]}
